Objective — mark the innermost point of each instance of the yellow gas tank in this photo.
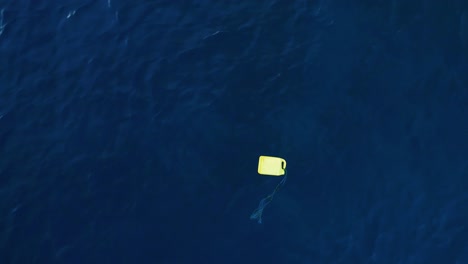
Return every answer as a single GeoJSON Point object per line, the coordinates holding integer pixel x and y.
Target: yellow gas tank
{"type": "Point", "coordinates": [271, 166]}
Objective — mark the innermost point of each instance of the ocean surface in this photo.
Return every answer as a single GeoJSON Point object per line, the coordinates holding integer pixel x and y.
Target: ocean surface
{"type": "Point", "coordinates": [130, 131]}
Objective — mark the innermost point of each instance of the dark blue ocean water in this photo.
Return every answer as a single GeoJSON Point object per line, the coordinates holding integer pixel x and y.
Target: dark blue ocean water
{"type": "Point", "coordinates": [130, 131]}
